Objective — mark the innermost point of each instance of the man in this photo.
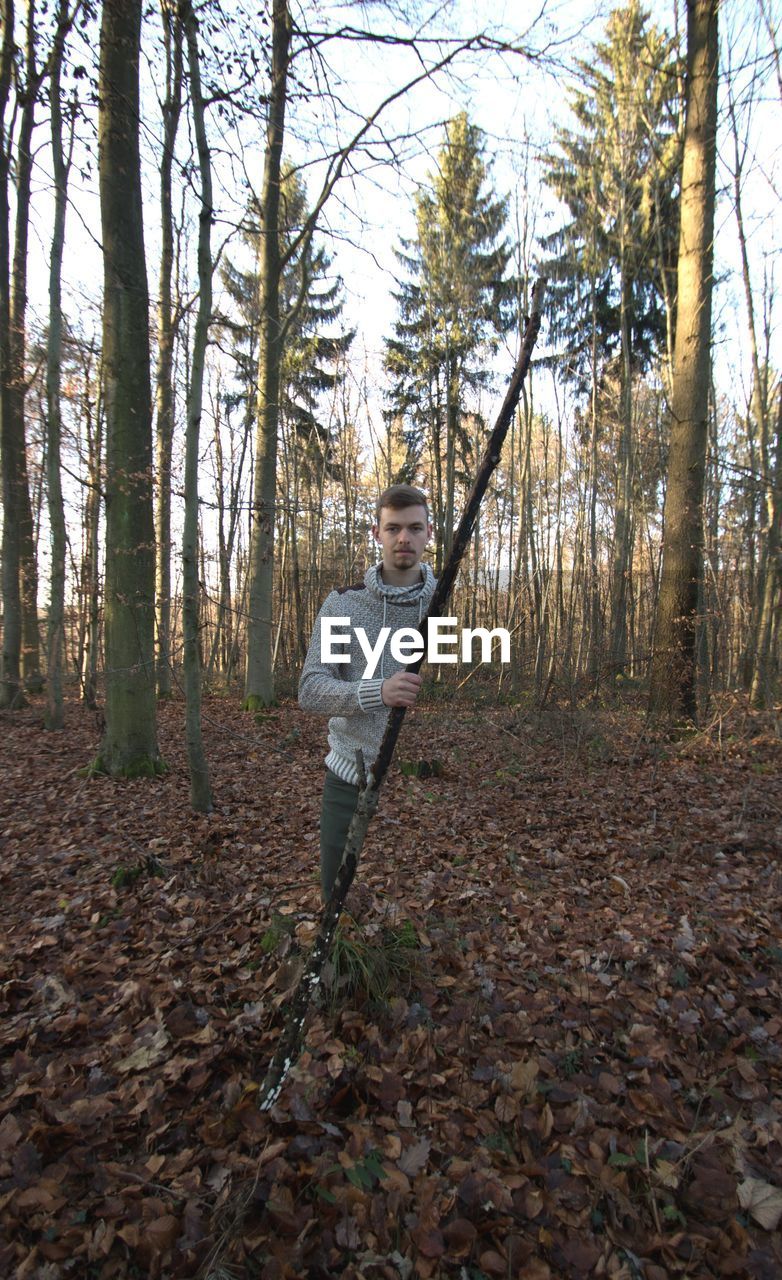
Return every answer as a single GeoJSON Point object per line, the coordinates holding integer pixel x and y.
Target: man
{"type": "Point", "coordinates": [394, 594]}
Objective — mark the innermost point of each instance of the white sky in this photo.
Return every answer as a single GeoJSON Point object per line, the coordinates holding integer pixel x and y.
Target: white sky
{"type": "Point", "coordinates": [507, 97]}
{"type": "Point", "coordinates": [510, 97]}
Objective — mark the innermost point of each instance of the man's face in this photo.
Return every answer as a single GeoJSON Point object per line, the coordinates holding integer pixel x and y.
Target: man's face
{"type": "Point", "coordinates": [403, 533]}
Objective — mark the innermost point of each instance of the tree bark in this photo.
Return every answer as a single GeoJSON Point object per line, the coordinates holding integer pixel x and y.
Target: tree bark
{"type": "Point", "coordinates": [61, 168]}
{"type": "Point", "coordinates": [164, 378]}
{"type": "Point", "coordinates": [129, 745]}
{"type": "Point", "coordinates": [673, 691]}
{"type": "Point", "coordinates": [624, 495]}
{"type": "Point", "coordinates": [259, 682]}
{"type": "Point", "coordinates": [28, 566]}
{"type": "Point", "coordinates": [11, 694]}
{"type": "Point", "coordinates": [200, 792]}
{"type": "Point", "coordinates": [762, 692]}
{"type": "Point", "coordinates": [92, 415]}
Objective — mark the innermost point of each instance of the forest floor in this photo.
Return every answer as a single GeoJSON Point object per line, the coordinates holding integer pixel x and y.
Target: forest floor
{"type": "Point", "coordinates": [569, 1063]}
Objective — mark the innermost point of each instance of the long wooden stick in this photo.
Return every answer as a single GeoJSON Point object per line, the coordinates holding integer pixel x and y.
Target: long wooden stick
{"type": "Point", "coordinates": [289, 1045]}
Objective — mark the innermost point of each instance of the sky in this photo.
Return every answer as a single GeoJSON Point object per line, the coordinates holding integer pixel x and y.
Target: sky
{"type": "Point", "coordinates": [511, 97]}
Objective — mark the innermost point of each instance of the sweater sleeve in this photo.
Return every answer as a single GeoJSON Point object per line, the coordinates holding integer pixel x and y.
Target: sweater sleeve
{"type": "Point", "coordinates": [322, 689]}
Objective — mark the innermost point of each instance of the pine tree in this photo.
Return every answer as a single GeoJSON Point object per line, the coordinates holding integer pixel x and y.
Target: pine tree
{"type": "Point", "coordinates": [452, 309]}
{"type": "Point", "coordinates": [310, 302]}
{"type": "Point", "coordinates": [617, 173]}
{"type": "Point", "coordinates": [613, 268]}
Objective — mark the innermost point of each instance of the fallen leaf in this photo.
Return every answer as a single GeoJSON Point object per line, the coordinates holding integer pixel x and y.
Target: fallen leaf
{"type": "Point", "coordinates": [151, 1049]}
{"type": "Point", "coordinates": [762, 1200]}
{"type": "Point", "coordinates": [506, 1109]}
{"type": "Point", "coordinates": [414, 1158]}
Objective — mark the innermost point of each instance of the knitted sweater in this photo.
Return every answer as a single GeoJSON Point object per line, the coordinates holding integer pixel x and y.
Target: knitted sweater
{"type": "Point", "coordinates": [358, 714]}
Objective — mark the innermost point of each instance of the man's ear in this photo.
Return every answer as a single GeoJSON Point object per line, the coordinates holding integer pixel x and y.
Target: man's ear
{"type": "Point", "coordinates": [376, 532]}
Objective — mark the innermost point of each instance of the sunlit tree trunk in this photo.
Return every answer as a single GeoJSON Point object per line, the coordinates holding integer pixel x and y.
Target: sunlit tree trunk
{"type": "Point", "coordinates": [11, 692]}
{"type": "Point", "coordinates": [227, 624]}
{"type": "Point", "coordinates": [28, 566]}
{"type": "Point", "coordinates": [164, 379]}
{"type": "Point", "coordinates": [200, 792]}
{"type": "Point", "coordinates": [90, 417]}
{"type": "Point", "coordinates": [90, 569]}
{"type": "Point", "coordinates": [61, 168]}
{"type": "Point", "coordinates": [624, 493]}
{"type": "Point", "coordinates": [763, 692]}
{"type": "Point", "coordinates": [259, 683]}
{"type": "Point", "coordinates": [673, 689]}
{"type": "Point", "coordinates": [129, 745]}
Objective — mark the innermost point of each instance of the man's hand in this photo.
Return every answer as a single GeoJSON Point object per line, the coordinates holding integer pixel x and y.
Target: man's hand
{"type": "Point", "coordinates": [401, 689]}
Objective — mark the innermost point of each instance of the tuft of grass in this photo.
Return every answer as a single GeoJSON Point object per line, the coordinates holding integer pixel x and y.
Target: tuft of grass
{"type": "Point", "coordinates": [279, 928]}
{"type": "Point", "coordinates": [422, 768]}
{"type": "Point", "coordinates": [145, 868]}
{"type": "Point", "coordinates": [373, 968]}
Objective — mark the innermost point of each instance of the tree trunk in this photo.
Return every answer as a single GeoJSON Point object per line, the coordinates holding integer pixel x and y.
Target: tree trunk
{"type": "Point", "coordinates": [129, 746]}
{"type": "Point", "coordinates": [624, 496]}
{"type": "Point", "coordinates": [200, 793]}
{"type": "Point", "coordinates": [90, 574]}
{"type": "Point", "coordinates": [28, 567]}
{"type": "Point", "coordinates": [259, 682]}
{"type": "Point", "coordinates": [91, 417]}
{"type": "Point", "coordinates": [762, 691]}
{"type": "Point", "coordinates": [11, 693]}
{"type": "Point", "coordinates": [451, 424]}
{"type": "Point", "coordinates": [164, 378]}
{"type": "Point", "coordinates": [61, 169]}
{"type": "Point", "coordinates": [673, 689]}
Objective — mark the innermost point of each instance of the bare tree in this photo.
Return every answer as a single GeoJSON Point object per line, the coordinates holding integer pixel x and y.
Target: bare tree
{"type": "Point", "coordinates": [11, 694]}
{"type": "Point", "coordinates": [167, 325]}
{"type": "Point", "coordinates": [61, 162]}
{"type": "Point", "coordinates": [673, 689]}
{"type": "Point", "coordinates": [200, 793]}
{"type": "Point", "coordinates": [129, 745]}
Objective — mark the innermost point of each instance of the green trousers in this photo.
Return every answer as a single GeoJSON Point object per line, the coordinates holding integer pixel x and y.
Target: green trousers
{"type": "Point", "coordinates": [337, 808]}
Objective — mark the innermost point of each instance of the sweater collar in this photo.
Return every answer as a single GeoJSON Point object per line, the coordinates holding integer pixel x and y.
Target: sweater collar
{"type": "Point", "coordinates": [420, 591]}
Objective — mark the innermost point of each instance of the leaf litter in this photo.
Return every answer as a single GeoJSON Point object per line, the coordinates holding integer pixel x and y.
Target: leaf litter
{"type": "Point", "coordinates": [580, 1077]}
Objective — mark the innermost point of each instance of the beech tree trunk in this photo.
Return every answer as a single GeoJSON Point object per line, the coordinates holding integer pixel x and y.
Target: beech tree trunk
{"type": "Point", "coordinates": [164, 420]}
{"type": "Point", "coordinates": [28, 566]}
{"type": "Point", "coordinates": [673, 691]}
{"type": "Point", "coordinates": [91, 418]}
{"type": "Point", "coordinates": [259, 682]}
{"type": "Point", "coordinates": [200, 793]}
{"type": "Point", "coordinates": [623, 538]}
{"type": "Point", "coordinates": [129, 746]}
{"type": "Point", "coordinates": [11, 693]}
{"type": "Point", "coordinates": [61, 168]}
{"type": "Point", "coordinates": [763, 691]}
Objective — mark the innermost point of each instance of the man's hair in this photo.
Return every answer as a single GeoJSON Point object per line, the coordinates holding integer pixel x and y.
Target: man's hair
{"type": "Point", "coordinates": [399, 496]}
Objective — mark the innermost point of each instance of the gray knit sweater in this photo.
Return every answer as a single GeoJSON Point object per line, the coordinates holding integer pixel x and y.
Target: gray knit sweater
{"type": "Point", "coordinates": [358, 714]}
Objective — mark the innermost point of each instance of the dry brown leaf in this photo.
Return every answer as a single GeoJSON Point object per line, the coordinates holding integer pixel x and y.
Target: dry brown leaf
{"type": "Point", "coordinates": [506, 1109]}
{"type": "Point", "coordinates": [414, 1158]}
{"type": "Point", "coordinates": [151, 1049]}
{"type": "Point", "coordinates": [524, 1075]}
{"type": "Point", "coordinates": [762, 1200]}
